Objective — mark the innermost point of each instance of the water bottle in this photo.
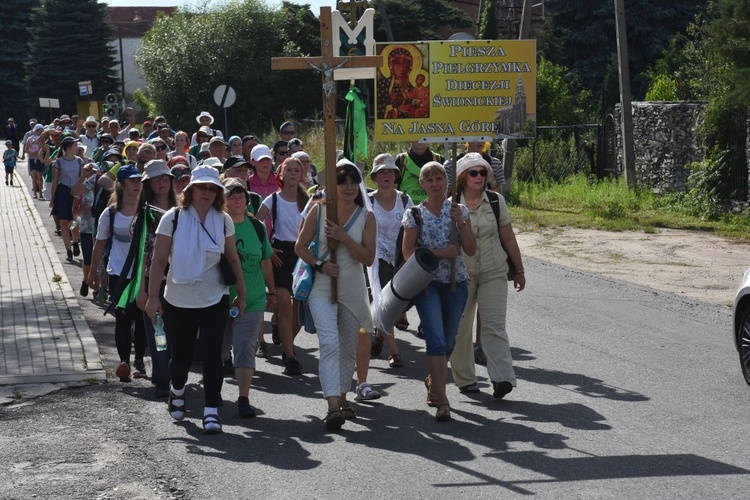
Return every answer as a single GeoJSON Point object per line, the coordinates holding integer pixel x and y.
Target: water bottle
{"type": "Point", "coordinates": [75, 223]}
{"type": "Point", "coordinates": [234, 312]}
{"type": "Point", "coordinates": [160, 338]}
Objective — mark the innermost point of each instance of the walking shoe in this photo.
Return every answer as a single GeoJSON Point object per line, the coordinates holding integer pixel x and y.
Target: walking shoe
{"type": "Point", "coordinates": [479, 357]}
{"type": "Point", "coordinates": [334, 420]}
{"type": "Point", "coordinates": [70, 256]}
{"type": "Point", "coordinates": [262, 351]}
{"type": "Point", "coordinates": [76, 249]}
{"type": "Point", "coordinates": [58, 232]}
{"type": "Point", "coordinates": [292, 366]}
{"type": "Point", "coordinates": [101, 295]}
{"type": "Point", "coordinates": [35, 195]}
{"type": "Point", "coordinates": [139, 369]}
{"type": "Point", "coordinates": [176, 406]}
{"type": "Point", "coordinates": [123, 372]}
{"type": "Point", "coordinates": [394, 361]}
{"type": "Point", "coordinates": [501, 389]}
{"type": "Point", "coordinates": [365, 392]}
{"type": "Point", "coordinates": [469, 389]}
{"type": "Point", "coordinates": [84, 291]}
{"type": "Point", "coordinates": [420, 331]}
{"type": "Point", "coordinates": [212, 424]}
{"type": "Point", "coordinates": [244, 408]}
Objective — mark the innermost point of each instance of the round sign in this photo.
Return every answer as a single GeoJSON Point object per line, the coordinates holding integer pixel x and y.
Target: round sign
{"type": "Point", "coordinates": [224, 96]}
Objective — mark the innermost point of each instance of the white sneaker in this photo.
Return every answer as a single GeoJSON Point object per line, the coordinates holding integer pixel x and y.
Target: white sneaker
{"type": "Point", "coordinates": [365, 392]}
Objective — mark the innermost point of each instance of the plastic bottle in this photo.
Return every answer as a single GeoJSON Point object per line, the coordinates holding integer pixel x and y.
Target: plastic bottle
{"type": "Point", "coordinates": [234, 312]}
{"type": "Point", "coordinates": [76, 222]}
{"type": "Point", "coordinates": [160, 338]}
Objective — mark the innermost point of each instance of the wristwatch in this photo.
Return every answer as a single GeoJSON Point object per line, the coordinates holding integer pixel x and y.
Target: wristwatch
{"type": "Point", "coordinates": [319, 266]}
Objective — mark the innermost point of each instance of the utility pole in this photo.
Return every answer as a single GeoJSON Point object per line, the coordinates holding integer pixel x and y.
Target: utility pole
{"type": "Point", "coordinates": [628, 149]}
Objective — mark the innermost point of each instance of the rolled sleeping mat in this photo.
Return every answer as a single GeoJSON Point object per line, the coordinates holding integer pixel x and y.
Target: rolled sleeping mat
{"type": "Point", "coordinates": [410, 279]}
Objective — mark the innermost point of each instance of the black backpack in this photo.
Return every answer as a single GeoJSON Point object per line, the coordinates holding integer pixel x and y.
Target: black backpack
{"type": "Point", "coordinates": [399, 260]}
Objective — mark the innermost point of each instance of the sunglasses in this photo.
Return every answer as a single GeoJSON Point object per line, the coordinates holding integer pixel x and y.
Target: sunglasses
{"type": "Point", "coordinates": [288, 132]}
{"type": "Point", "coordinates": [90, 126]}
{"type": "Point", "coordinates": [474, 173]}
{"type": "Point", "coordinates": [160, 148]}
{"type": "Point", "coordinates": [282, 153]}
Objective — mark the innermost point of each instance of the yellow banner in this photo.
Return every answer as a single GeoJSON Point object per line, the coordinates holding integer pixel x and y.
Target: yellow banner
{"type": "Point", "coordinates": [455, 91]}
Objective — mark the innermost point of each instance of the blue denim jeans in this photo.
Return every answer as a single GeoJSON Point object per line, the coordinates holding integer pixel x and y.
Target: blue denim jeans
{"type": "Point", "coordinates": [440, 311]}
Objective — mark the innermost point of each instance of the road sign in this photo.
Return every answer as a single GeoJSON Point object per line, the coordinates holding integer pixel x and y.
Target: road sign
{"type": "Point", "coordinates": [46, 102]}
{"type": "Point", "coordinates": [224, 96]}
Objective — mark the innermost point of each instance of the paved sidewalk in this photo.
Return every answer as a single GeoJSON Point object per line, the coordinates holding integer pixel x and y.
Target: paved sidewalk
{"type": "Point", "coordinates": [44, 335]}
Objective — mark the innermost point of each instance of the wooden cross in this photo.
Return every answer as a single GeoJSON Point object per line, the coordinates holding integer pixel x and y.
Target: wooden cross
{"type": "Point", "coordinates": [325, 64]}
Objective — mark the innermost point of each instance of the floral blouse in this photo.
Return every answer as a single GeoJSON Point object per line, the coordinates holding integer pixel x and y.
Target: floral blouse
{"type": "Point", "coordinates": [436, 234]}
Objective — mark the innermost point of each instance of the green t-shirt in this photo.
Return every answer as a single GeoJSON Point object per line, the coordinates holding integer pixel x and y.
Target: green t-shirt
{"type": "Point", "coordinates": [251, 252]}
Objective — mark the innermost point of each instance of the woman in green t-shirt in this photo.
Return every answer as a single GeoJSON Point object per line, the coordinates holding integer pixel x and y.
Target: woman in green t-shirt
{"type": "Point", "coordinates": [255, 256]}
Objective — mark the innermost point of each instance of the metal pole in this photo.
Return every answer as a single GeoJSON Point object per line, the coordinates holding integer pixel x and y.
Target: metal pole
{"type": "Point", "coordinates": [122, 62]}
{"type": "Point", "coordinates": [226, 127]}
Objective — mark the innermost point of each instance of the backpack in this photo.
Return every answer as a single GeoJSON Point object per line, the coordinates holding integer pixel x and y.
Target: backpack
{"type": "Point", "coordinates": [399, 260]}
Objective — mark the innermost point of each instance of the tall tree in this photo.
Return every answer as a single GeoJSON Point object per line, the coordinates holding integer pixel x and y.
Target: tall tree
{"type": "Point", "coordinates": [581, 35]}
{"type": "Point", "coordinates": [420, 19]}
{"type": "Point", "coordinates": [184, 57]}
{"type": "Point", "coordinates": [69, 44]}
{"type": "Point", "coordinates": [14, 40]}
{"type": "Point", "coordinates": [488, 29]}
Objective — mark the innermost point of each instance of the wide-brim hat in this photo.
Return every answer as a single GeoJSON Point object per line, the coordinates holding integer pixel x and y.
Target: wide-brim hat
{"type": "Point", "coordinates": [204, 114]}
{"type": "Point", "coordinates": [155, 168]}
{"type": "Point", "coordinates": [384, 161]}
{"type": "Point", "coordinates": [204, 175]}
{"type": "Point", "coordinates": [91, 119]}
{"type": "Point", "coordinates": [470, 160]}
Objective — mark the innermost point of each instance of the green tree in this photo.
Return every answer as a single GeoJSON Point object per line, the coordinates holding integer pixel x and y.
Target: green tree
{"type": "Point", "coordinates": [581, 36]}
{"type": "Point", "coordinates": [559, 98]}
{"type": "Point", "coordinates": [488, 29]}
{"type": "Point", "coordinates": [419, 19]}
{"type": "Point", "coordinates": [184, 57]}
{"type": "Point", "coordinates": [14, 40]}
{"type": "Point", "coordinates": [69, 44]}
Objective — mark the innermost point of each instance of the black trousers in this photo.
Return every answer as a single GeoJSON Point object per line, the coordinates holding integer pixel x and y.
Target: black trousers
{"type": "Point", "coordinates": [128, 320]}
{"type": "Point", "coordinates": [182, 325]}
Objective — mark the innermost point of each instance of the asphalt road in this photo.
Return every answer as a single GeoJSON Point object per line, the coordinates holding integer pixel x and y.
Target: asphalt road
{"type": "Point", "coordinates": [623, 392]}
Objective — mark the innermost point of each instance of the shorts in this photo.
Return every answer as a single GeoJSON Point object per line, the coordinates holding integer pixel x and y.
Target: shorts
{"type": "Point", "coordinates": [9, 169]}
{"type": "Point", "coordinates": [282, 276]}
{"type": "Point", "coordinates": [36, 165]}
{"type": "Point", "coordinates": [64, 202]}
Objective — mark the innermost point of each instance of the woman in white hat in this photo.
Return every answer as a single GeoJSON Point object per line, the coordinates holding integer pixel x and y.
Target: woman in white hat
{"type": "Point", "coordinates": [192, 237]}
{"type": "Point", "coordinates": [389, 206]}
{"type": "Point", "coordinates": [488, 288]}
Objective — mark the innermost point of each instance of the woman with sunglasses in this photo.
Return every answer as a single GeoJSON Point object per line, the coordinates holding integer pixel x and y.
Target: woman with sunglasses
{"type": "Point", "coordinates": [338, 324]}
{"type": "Point", "coordinates": [488, 287]}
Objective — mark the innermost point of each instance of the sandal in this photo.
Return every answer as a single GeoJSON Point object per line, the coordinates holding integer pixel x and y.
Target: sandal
{"type": "Point", "coordinates": [334, 420]}
{"type": "Point", "coordinates": [402, 324]}
{"type": "Point", "coordinates": [443, 413]}
{"type": "Point", "coordinates": [431, 400]}
{"type": "Point", "coordinates": [377, 346]}
{"type": "Point", "coordinates": [176, 406]}
{"type": "Point", "coordinates": [395, 361]}
{"type": "Point", "coordinates": [212, 424]}
{"type": "Point", "coordinates": [347, 412]}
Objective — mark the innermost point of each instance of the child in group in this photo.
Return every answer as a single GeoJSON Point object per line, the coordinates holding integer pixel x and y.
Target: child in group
{"type": "Point", "coordinates": [9, 160]}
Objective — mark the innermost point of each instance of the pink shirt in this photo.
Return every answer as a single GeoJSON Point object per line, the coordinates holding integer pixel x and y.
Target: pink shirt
{"type": "Point", "coordinates": [264, 190]}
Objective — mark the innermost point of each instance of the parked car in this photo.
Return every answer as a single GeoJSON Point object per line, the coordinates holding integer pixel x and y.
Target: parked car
{"type": "Point", "coordinates": [742, 324]}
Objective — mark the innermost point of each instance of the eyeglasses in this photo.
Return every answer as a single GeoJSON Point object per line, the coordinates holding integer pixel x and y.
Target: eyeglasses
{"type": "Point", "coordinates": [474, 173]}
{"type": "Point", "coordinates": [160, 148]}
{"type": "Point", "coordinates": [288, 132]}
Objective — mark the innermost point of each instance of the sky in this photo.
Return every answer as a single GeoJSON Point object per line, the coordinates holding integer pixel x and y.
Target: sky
{"type": "Point", "coordinates": [314, 4]}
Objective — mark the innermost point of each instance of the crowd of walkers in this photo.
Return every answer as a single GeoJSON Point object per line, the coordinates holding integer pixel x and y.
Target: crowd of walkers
{"type": "Point", "coordinates": [193, 236]}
